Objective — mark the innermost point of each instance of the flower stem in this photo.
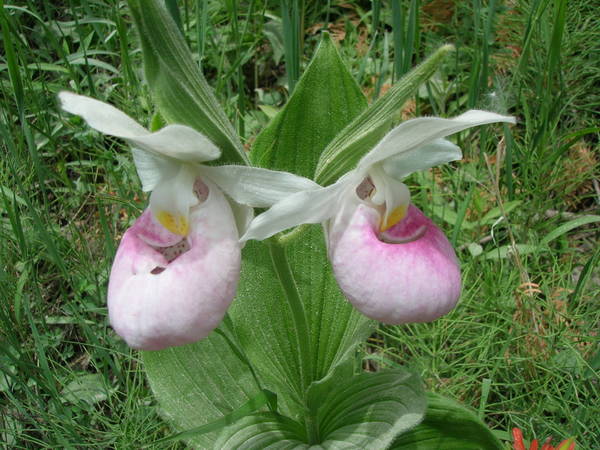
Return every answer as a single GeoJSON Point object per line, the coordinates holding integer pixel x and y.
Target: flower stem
{"type": "Point", "coordinates": [286, 278]}
{"type": "Point", "coordinates": [284, 273]}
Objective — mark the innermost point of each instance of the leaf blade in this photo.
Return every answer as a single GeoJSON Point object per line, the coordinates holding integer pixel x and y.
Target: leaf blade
{"type": "Point", "coordinates": [363, 411]}
{"type": "Point", "coordinates": [262, 399]}
{"type": "Point", "coordinates": [192, 392]}
{"type": "Point", "coordinates": [325, 99]}
{"type": "Point", "coordinates": [343, 152]}
{"type": "Point", "coordinates": [448, 425]}
{"type": "Point", "coordinates": [367, 410]}
{"type": "Point", "coordinates": [177, 86]}
{"type": "Point", "coordinates": [265, 430]}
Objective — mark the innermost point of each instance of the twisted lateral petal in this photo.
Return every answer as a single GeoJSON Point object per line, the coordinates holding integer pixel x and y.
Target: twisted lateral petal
{"type": "Point", "coordinates": [154, 303]}
{"type": "Point", "coordinates": [256, 186]}
{"type": "Point", "coordinates": [417, 280]}
{"type": "Point", "coordinates": [311, 206]}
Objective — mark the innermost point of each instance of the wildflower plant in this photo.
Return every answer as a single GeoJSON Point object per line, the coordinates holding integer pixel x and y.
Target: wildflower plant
{"type": "Point", "coordinates": [251, 278]}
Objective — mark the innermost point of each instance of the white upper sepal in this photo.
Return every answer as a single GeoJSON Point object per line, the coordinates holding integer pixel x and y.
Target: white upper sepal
{"type": "Point", "coordinates": [179, 142]}
{"type": "Point", "coordinates": [439, 151]}
{"type": "Point", "coordinates": [412, 135]}
{"type": "Point", "coordinates": [174, 141]}
{"type": "Point", "coordinates": [101, 116]}
{"type": "Point", "coordinates": [255, 186]}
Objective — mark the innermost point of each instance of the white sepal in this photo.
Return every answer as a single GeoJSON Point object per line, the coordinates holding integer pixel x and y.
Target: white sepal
{"type": "Point", "coordinates": [413, 134]}
{"type": "Point", "coordinates": [429, 155]}
{"type": "Point", "coordinates": [174, 141]}
{"type": "Point", "coordinates": [101, 116]}
{"type": "Point", "coordinates": [178, 142]}
{"type": "Point", "coordinates": [255, 186]}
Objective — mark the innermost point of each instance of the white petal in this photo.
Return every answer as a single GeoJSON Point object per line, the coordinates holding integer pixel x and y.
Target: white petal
{"type": "Point", "coordinates": [413, 134]}
{"type": "Point", "coordinates": [171, 200]}
{"type": "Point", "coordinates": [153, 168]}
{"type": "Point", "coordinates": [179, 142]}
{"type": "Point", "coordinates": [429, 155]}
{"type": "Point", "coordinates": [312, 206]}
{"type": "Point", "coordinates": [175, 141]}
{"type": "Point", "coordinates": [101, 116]}
{"type": "Point", "coordinates": [255, 186]}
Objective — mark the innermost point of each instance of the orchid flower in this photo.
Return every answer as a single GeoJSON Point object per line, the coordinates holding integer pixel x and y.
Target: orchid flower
{"type": "Point", "coordinates": [391, 262]}
{"type": "Point", "coordinates": [176, 270]}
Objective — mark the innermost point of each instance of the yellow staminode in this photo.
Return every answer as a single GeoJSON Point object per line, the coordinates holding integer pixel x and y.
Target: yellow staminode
{"type": "Point", "coordinates": [175, 224]}
{"type": "Point", "coordinates": [393, 218]}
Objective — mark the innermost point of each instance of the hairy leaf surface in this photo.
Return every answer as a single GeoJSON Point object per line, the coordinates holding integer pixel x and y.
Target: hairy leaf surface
{"type": "Point", "coordinates": [199, 383]}
{"type": "Point", "coordinates": [448, 426]}
{"type": "Point", "coordinates": [324, 101]}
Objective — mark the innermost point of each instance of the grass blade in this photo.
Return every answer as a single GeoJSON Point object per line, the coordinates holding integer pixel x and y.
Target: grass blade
{"type": "Point", "coordinates": [566, 227]}
{"type": "Point", "coordinates": [291, 14]}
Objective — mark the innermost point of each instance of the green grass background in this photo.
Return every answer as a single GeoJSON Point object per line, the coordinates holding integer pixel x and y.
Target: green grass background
{"type": "Point", "coordinates": [522, 346]}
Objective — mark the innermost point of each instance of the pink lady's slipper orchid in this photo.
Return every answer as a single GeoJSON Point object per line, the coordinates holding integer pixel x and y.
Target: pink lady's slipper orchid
{"type": "Point", "coordinates": [177, 267]}
{"type": "Point", "coordinates": [392, 263]}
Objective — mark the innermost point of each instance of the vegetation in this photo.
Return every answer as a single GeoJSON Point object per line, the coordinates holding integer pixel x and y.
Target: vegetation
{"type": "Point", "coordinates": [522, 347]}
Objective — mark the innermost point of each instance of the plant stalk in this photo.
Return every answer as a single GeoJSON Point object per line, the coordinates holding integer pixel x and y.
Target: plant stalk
{"type": "Point", "coordinates": [284, 273]}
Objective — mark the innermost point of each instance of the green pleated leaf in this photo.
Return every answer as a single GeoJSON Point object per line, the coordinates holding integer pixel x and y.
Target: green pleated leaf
{"type": "Point", "coordinates": [176, 83]}
{"type": "Point", "coordinates": [324, 101]}
{"type": "Point", "coordinates": [251, 406]}
{"type": "Point", "coordinates": [265, 324]}
{"type": "Point", "coordinates": [335, 326]}
{"type": "Point", "coordinates": [367, 411]}
{"type": "Point", "coordinates": [343, 153]}
{"type": "Point", "coordinates": [201, 383]}
{"type": "Point", "coordinates": [265, 430]}
{"type": "Point", "coordinates": [364, 411]}
{"type": "Point", "coordinates": [448, 426]}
